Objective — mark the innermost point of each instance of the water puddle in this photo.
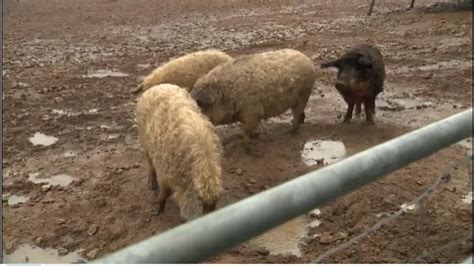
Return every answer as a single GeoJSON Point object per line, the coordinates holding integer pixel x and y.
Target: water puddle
{"type": "Point", "coordinates": [102, 73]}
{"type": "Point", "coordinates": [93, 111]}
{"type": "Point", "coordinates": [143, 66]}
{"type": "Point", "coordinates": [280, 119]}
{"type": "Point", "coordinates": [15, 199]}
{"type": "Point", "coordinates": [408, 207]}
{"type": "Point", "coordinates": [31, 254]}
{"type": "Point", "coordinates": [69, 154]}
{"type": "Point", "coordinates": [61, 179]}
{"type": "Point", "coordinates": [383, 214]}
{"type": "Point", "coordinates": [451, 64]}
{"type": "Point", "coordinates": [283, 239]}
{"type": "Point", "coordinates": [323, 152]}
{"type": "Point", "coordinates": [42, 139]}
{"type": "Point", "coordinates": [402, 103]}
{"type": "Point", "coordinates": [467, 198]}
{"type": "Point", "coordinates": [58, 112]}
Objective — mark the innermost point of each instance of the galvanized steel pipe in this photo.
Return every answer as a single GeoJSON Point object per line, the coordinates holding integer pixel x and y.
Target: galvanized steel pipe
{"type": "Point", "coordinates": [468, 260]}
{"type": "Point", "coordinates": [223, 229]}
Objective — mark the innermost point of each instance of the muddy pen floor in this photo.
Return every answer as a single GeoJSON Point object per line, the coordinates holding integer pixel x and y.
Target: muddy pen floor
{"type": "Point", "coordinates": [74, 176]}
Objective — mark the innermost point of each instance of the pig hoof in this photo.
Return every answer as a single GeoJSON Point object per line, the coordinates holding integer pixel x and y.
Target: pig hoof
{"type": "Point", "coordinates": [346, 121]}
{"type": "Point", "coordinates": [153, 187]}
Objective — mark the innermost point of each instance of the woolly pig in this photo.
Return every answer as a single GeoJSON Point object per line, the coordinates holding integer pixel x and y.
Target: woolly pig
{"type": "Point", "coordinates": [255, 87]}
{"type": "Point", "coordinates": [360, 78]}
{"type": "Point", "coordinates": [181, 147]}
{"type": "Point", "coordinates": [185, 70]}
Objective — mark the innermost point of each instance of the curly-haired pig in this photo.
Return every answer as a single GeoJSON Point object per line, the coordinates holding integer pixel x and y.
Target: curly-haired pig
{"type": "Point", "coordinates": [184, 70]}
{"type": "Point", "coordinates": [181, 147]}
{"type": "Point", "coordinates": [254, 87]}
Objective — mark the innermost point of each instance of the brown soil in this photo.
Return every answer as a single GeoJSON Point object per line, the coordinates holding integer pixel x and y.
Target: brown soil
{"type": "Point", "coordinates": [50, 44]}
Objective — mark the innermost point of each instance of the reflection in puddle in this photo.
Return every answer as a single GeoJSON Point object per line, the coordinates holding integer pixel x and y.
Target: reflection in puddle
{"type": "Point", "coordinates": [283, 239]}
{"type": "Point", "coordinates": [15, 199]}
{"type": "Point", "coordinates": [42, 139]}
{"type": "Point", "coordinates": [31, 254]}
{"type": "Point", "coordinates": [323, 151]}
{"type": "Point", "coordinates": [102, 73]}
{"type": "Point", "coordinates": [61, 179]}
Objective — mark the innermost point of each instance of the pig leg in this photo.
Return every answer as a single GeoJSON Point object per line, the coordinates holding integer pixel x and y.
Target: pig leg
{"type": "Point", "coordinates": [152, 180]}
{"type": "Point", "coordinates": [350, 109]}
{"type": "Point", "coordinates": [165, 193]}
{"type": "Point", "coordinates": [249, 124]}
{"type": "Point", "coordinates": [298, 111]}
{"type": "Point", "coordinates": [358, 109]}
{"type": "Point", "coordinates": [369, 105]}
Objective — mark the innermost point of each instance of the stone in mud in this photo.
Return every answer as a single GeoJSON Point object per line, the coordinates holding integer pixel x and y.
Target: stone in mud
{"type": "Point", "coordinates": [326, 239]}
{"type": "Point", "coordinates": [92, 254]}
{"type": "Point", "coordinates": [62, 251]}
{"type": "Point", "coordinates": [342, 235]}
{"type": "Point", "coordinates": [38, 241]}
{"type": "Point", "coordinates": [48, 199]}
{"type": "Point", "coordinates": [263, 251]}
{"type": "Point", "coordinates": [92, 230]}
{"type": "Point", "coordinates": [239, 172]}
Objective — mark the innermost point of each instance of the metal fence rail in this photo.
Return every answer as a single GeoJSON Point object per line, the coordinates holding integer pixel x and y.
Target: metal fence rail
{"type": "Point", "coordinates": [468, 260]}
{"type": "Point", "coordinates": [218, 231]}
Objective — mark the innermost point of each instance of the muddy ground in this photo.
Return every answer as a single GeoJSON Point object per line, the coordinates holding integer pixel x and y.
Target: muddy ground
{"type": "Point", "coordinates": [98, 201]}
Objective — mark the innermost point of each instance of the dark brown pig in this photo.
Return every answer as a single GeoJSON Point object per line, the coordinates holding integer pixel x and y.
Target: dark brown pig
{"type": "Point", "coordinates": [360, 78]}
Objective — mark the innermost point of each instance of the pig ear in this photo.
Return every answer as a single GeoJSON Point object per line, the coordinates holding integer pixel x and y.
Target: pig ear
{"type": "Point", "coordinates": [365, 61]}
{"type": "Point", "coordinates": [334, 63]}
{"type": "Point", "coordinates": [203, 97]}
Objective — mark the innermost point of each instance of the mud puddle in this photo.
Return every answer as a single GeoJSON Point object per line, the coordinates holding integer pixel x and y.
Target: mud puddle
{"type": "Point", "coordinates": [467, 199]}
{"type": "Point", "coordinates": [323, 152]}
{"type": "Point", "coordinates": [42, 139]}
{"type": "Point", "coordinates": [143, 66]}
{"type": "Point", "coordinates": [16, 199]}
{"type": "Point", "coordinates": [69, 154]}
{"type": "Point", "coordinates": [388, 103]}
{"type": "Point", "coordinates": [284, 239]}
{"type": "Point", "coordinates": [61, 179]}
{"type": "Point", "coordinates": [451, 64]}
{"type": "Point", "coordinates": [102, 73]}
{"type": "Point", "coordinates": [31, 254]}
